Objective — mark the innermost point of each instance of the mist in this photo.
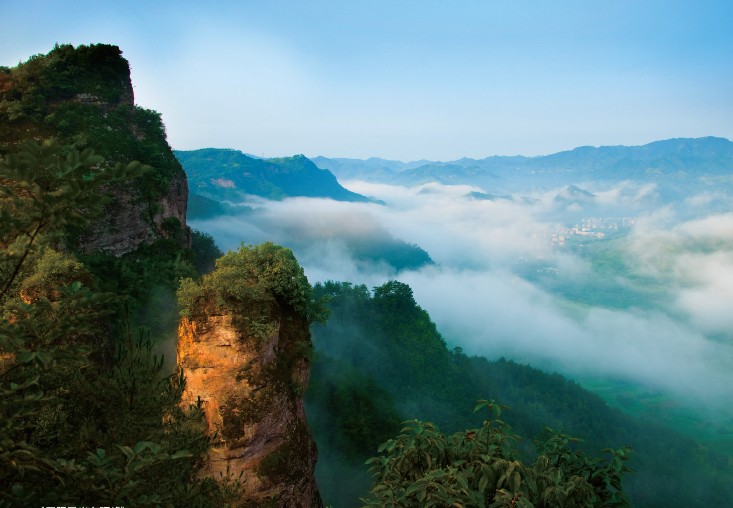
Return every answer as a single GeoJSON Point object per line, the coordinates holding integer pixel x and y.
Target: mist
{"type": "Point", "coordinates": [502, 285]}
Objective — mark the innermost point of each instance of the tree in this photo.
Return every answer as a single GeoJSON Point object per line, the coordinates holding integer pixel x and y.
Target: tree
{"type": "Point", "coordinates": [251, 274]}
{"type": "Point", "coordinates": [44, 193]}
{"type": "Point", "coordinates": [86, 414]}
{"type": "Point", "coordinates": [205, 250]}
{"type": "Point", "coordinates": [480, 467]}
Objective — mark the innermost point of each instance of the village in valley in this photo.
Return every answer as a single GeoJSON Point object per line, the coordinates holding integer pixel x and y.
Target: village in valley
{"type": "Point", "coordinates": [593, 228]}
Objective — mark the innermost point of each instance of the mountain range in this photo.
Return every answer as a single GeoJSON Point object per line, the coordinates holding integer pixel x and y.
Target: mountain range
{"type": "Point", "coordinates": [673, 164]}
{"type": "Point", "coordinates": [688, 159]}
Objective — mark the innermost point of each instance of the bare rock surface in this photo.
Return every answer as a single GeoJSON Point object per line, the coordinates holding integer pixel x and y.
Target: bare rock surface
{"type": "Point", "coordinates": [251, 394]}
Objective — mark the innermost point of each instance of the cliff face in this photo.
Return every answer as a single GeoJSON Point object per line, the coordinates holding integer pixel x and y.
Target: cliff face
{"type": "Point", "coordinates": [83, 96]}
{"type": "Point", "coordinates": [131, 221]}
{"type": "Point", "coordinates": [251, 388]}
{"type": "Point", "coordinates": [245, 349]}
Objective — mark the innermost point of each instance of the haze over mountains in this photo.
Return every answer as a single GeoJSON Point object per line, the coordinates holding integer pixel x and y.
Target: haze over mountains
{"type": "Point", "coordinates": [619, 278]}
{"type": "Point", "coordinates": [611, 251]}
{"type": "Point", "coordinates": [683, 158]}
{"type": "Point", "coordinates": [610, 265]}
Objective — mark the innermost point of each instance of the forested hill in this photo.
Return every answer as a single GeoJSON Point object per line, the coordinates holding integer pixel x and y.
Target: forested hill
{"type": "Point", "coordinates": [380, 360]}
{"type": "Point", "coordinates": [93, 248]}
{"type": "Point", "coordinates": [231, 175]}
{"type": "Point", "coordinates": [83, 98]}
{"type": "Point", "coordinates": [93, 243]}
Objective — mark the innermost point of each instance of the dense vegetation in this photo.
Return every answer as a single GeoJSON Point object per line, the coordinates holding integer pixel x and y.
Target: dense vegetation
{"type": "Point", "coordinates": [251, 274]}
{"type": "Point", "coordinates": [393, 252]}
{"type": "Point", "coordinates": [89, 416]}
{"type": "Point", "coordinates": [480, 467]}
{"type": "Point", "coordinates": [380, 359]}
{"type": "Point", "coordinates": [90, 412]}
{"type": "Point", "coordinates": [89, 406]}
{"type": "Point", "coordinates": [83, 97]}
{"type": "Point", "coordinates": [230, 174]}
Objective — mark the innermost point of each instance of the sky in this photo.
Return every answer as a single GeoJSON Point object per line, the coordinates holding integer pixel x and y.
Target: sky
{"type": "Point", "coordinates": [407, 80]}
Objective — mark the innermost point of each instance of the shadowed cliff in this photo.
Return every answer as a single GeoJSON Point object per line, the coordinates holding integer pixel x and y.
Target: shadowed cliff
{"type": "Point", "coordinates": [93, 245]}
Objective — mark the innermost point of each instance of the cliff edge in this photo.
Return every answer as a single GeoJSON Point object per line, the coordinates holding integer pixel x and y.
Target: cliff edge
{"type": "Point", "coordinates": [244, 340]}
{"type": "Point", "coordinates": [244, 346]}
{"type": "Point", "coordinates": [83, 97]}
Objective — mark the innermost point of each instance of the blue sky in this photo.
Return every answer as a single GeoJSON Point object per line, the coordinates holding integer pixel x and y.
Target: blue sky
{"type": "Point", "coordinates": [407, 79]}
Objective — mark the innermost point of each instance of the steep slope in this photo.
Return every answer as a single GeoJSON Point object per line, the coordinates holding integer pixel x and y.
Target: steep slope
{"type": "Point", "coordinates": [244, 347]}
{"type": "Point", "coordinates": [83, 97]}
{"type": "Point", "coordinates": [230, 174]}
{"type": "Point", "coordinates": [91, 412]}
{"type": "Point", "coordinates": [380, 359]}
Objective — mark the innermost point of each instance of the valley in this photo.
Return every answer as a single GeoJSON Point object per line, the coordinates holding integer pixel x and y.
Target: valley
{"type": "Point", "coordinates": [600, 276]}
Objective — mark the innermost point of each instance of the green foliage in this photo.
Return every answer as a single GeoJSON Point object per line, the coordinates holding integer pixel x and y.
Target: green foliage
{"type": "Point", "coordinates": [217, 173]}
{"type": "Point", "coordinates": [60, 404]}
{"type": "Point", "coordinates": [52, 269]}
{"type": "Point", "coordinates": [390, 338]}
{"type": "Point", "coordinates": [480, 467]}
{"type": "Point", "coordinates": [66, 71]}
{"type": "Point", "coordinates": [205, 251]}
{"type": "Point", "coordinates": [398, 254]}
{"type": "Point", "coordinates": [253, 274]}
{"type": "Point", "coordinates": [44, 193]}
{"type": "Point", "coordinates": [347, 409]}
{"type": "Point", "coordinates": [146, 281]}
{"type": "Point", "coordinates": [383, 338]}
{"type": "Point", "coordinates": [88, 416]}
{"type": "Point", "coordinates": [83, 97]}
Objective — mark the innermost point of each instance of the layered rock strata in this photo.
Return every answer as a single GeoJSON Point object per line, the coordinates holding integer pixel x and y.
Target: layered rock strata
{"type": "Point", "coordinates": [250, 385]}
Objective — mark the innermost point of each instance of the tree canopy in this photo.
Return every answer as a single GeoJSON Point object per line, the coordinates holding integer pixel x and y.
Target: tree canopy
{"type": "Point", "coordinates": [482, 468]}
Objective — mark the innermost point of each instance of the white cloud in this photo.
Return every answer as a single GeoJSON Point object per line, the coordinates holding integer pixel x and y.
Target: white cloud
{"type": "Point", "coordinates": [477, 296]}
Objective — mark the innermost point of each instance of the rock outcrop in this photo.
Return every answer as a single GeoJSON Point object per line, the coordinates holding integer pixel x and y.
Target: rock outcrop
{"type": "Point", "coordinates": [131, 220]}
{"type": "Point", "coordinates": [248, 368]}
{"type": "Point", "coordinates": [83, 96]}
{"type": "Point", "coordinates": [245, 347]}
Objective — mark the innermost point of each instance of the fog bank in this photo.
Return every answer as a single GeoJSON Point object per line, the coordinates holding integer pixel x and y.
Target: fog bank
{"type": "Point", "coordinates": [648, 302]}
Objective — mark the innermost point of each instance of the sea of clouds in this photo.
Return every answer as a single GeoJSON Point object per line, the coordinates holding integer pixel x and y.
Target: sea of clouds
{"type": "Point", "coordinates": [481, 299]}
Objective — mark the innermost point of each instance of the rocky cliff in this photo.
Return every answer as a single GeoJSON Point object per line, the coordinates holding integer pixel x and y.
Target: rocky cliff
{"type": "Point", "coordinates": [131, 220]}
{"type": "Point", "coordinates": [245, 340]}
{"type": "Point", "coordinates": [83, 96]}
{"type": "Point", "coordinates": [244, 347]}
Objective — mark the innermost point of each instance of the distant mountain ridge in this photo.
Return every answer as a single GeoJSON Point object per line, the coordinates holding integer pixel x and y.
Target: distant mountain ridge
{"type": "Point", "coordinates": [349, 169]}
{"type": "Point", "coordinates": [680, 157]}
{"type": "Point", "coordinates": [230, 174]}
